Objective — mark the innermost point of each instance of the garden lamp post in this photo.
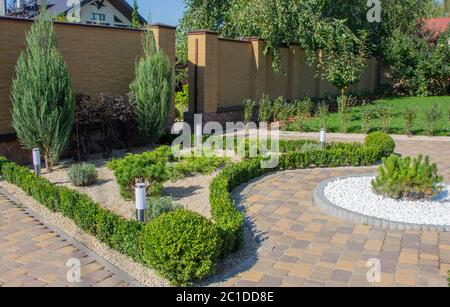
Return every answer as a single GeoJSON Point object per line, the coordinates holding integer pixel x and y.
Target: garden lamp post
{"type": "Point", "coordinates": [323, 137]}
{"type": "Point", "coordinates": [37, 161]}
{"type": "Point", "coordinates": [141, 202]}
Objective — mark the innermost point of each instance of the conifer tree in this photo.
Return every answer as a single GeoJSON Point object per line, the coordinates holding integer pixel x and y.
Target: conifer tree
{"type": "Point", "coordinates": [152, 88]}
{"type": "Point", "coordinates": [42, 99]}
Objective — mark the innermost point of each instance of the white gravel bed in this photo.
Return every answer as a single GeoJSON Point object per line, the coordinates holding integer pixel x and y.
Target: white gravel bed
{"type": "Point", "coordinates": [356, 194]}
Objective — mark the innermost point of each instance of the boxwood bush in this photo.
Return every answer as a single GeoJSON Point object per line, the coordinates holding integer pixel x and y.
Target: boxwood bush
{"type": "Point", "coordinates": [182, 245]}
{"type": "Point", "coordinates": [381, 140]}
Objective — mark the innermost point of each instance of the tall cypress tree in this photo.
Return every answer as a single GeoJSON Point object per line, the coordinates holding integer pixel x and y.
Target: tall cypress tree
{"type": "Point", "coordinates": [152, 88]}
{"type": "Point", "coordinates": [135, 23]}
{"type": "Point", "coordinates": [42, 99]}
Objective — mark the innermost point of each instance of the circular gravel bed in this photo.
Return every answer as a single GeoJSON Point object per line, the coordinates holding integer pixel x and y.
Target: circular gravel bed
{"type": "Point", "coordinates": [353, 198]}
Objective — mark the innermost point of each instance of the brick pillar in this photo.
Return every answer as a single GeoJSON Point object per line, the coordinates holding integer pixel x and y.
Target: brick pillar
{"type": "Point", "coordinates": [165, 39]}
{"type": "Point", "coordinates": [259, 69]}
{"type": "Point", "coordinates": [203, 72]}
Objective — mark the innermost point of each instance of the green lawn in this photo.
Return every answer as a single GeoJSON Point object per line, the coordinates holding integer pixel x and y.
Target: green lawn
{"type": "Point", "coordinates": [421, 104]}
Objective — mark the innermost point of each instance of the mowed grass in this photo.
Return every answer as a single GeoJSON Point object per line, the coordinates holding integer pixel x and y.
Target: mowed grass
{"type": "Point", "coordinates": [420, 104]}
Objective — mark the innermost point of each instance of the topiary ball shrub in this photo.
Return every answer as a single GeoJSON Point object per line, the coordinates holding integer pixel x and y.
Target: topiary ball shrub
{"type": "Point", "coordinates": [83, 175]}
{"type": "Point", "coordinates": [182, 246]}
{"type": "Point", "coordinates": [405, 178]}
{"type": "Point", "coordinates": [381, 140]}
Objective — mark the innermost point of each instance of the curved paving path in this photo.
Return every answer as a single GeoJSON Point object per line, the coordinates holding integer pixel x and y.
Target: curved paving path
{"type": "Point", "coordinates": [33, 254]}
{"type": "Point", "coordinates": [303, 247]}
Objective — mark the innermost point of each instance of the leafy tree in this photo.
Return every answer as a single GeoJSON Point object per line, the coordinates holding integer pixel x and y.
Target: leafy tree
{"type": "Point", "coordinates": [42, 100]}
{"type": "Point", "coordinates": [152, 88]}
{"type": "Point", "coordinates": [135, 22]}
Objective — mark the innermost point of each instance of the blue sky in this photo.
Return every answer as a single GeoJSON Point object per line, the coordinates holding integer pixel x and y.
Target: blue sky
{"type": "Point", "coordinates": [162, 11]}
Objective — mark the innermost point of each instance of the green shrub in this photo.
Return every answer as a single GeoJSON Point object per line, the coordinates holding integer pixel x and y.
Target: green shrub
{"type": "Point", "coordinates": [344, 103]}
{"type": "Point", "coordinates": [150, 167]}
{"type": "Point", "coordinates": [160, 205]}
{"type": "Point", "coordinates": [152, 88]}
{"type": "Point", "coordinates": [277, 107]}
{"type": "Point", "coordinates": [405, 178]}
{"type": "Point", "coordinates": [366, 118]}
{"type": "Point", "coordinates": [82, 175]}
{"type": "Point", "coordinates": [323, 113]}
{"type": "Point", "coordinates": [310, 147]}
{"type": "Point", "coordinates": [182, 246]}
{"type": "Point", "coordinates": [249, 106]}
{"type": "Point", "coordinates": [409, 117]}
{"type": "Point", "coordinates": [3, 161]}
{"type": "Point", "coordinates": [382, 141]}
{"type": "Point", "coordinates": [384, 113]}
{"type": "Point", "coordinates": [181, 102]}
{"type": "Point", "coordinates": [197, 165]}
{"type": "Point", "coordinates": [265, 109]}
{"type": "Point", "coordinates": [432, 116]}
{"type": "Point", "coordinates": [304, 107]}
{"type": "Point", "coordinates": [43, 103]}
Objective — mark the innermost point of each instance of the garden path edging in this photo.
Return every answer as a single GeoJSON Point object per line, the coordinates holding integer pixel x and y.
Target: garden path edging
{"type": "Point", "coordinates": [329, 208]}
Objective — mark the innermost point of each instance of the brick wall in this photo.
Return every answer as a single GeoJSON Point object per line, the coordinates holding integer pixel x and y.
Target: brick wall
{"type": "Point", "coordinates": [100, 59]}
{"type": "Point", "coordinates": [223, 73]}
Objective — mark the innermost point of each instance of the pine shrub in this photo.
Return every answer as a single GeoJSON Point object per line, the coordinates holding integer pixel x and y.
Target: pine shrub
{"type": "Point", "coordinates": [405, 178]}
{"type": "Point", "coordinates": [42, 100]}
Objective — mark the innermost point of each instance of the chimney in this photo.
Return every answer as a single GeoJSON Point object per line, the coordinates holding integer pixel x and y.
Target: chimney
{"type": "Point", "coordinates": [20, 4]}
{"type": "Point", "coordinates": [3, 7]}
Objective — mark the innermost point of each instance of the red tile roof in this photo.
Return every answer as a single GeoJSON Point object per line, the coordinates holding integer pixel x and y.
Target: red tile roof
{"type": "Point", "coordinates": [437, 25]}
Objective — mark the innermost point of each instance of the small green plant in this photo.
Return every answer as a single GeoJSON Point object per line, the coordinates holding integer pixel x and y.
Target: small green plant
{"type": "Point", "coordinates": [249, 106]}
{"type": "Point", "coordinates": [381, 140]}
{"type": "Point", "coordinates": [366, 118]}
{"type": "Point", "coordinates": [310, 147]}
{"type": "Point", "coordinates": [432, 116]}
{"type": "Point", "coordinates": [344, 103]}
{"type": "Point", "coordinates": [196, 165]}
{"type": "Point", "coordinates": [160, 205]}
{"type": "Point", "coordinates": [385, 113]}
{"type": "Point", "coordinates": [82, 175]}
{"type": "Point", "coordinates": [322, 113]}
{"type": "Point", "coordinates": [409, 118]}
{"type": "Point", "coordinates": [408, 178]}
{"type": "Point", "coordinates": [304, 107]}
{"type": "Point", "coordinates": [278, 105]}
{"type": "Point", "coordinates": [181, 102]}
{"type": "Point", "coordinates": [265, 109]}
{"type": "Point", "coordinates": [182, 246]}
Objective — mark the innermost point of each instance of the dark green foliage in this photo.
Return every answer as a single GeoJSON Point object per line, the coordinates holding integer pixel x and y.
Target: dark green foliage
{"type": "Point", "coordinates": [135, 23]}
{"type": "Point", "coordinates": [182, 246]}
{"type": "Point", "coordinates": [249, 106]}
{"type": "Point", "coordinates": [181, 102]}
{"type": "Point", "coordinates": [381, 140]}
{"type": "Point", "coordinates": [150, 167]}
{"type": "Point", "coordinates": [152, 89]}
{"type": "Point", "coordinates": [42, 100]}
{"type": "Point", "coordinates": [405, 178]}
{"type": "Point", "coordinates": [82, 175]}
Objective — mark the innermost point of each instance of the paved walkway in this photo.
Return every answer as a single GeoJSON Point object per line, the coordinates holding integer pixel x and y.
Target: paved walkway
{"type": "Point", "coordinates": [303, 247]}
{"type": "Point", "coordinates": [34, 255]}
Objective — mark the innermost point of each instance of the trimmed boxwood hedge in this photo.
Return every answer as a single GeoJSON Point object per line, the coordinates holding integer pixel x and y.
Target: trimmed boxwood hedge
{"type": "Point", "coordinates": [182, 246]}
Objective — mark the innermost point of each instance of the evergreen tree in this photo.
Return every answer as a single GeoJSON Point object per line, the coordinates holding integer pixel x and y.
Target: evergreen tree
{"type": "Point", "coordinates": [135, 23]}
{"type": "Point", "coordinates": [42, 99]}
{"type": "Point", "coordinates": [152, 88]}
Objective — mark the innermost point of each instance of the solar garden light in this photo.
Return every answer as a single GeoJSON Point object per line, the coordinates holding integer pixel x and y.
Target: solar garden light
{"type": "Point", "coordinates": [141, 202]}
{"type": "Point", "coordinates": [323, 137]}
{"type": "Point", "coordinates": [37, 161]}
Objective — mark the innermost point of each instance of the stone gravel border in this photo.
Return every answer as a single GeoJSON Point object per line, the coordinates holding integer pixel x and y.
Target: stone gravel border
{"type": "Point", "coordinates": [331, 209]}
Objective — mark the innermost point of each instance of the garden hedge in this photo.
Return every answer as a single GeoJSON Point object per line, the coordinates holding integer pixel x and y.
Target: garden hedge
{"type": "Point", "coordinates": [182, 246]}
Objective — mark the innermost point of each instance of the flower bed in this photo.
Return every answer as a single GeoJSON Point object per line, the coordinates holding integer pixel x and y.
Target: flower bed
{"type": "Point", "coordinates": [182, 246]}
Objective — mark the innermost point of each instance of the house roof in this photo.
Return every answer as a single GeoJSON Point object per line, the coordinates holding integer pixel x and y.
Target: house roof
{"type": "Point", "coordinates": [58, 7]}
